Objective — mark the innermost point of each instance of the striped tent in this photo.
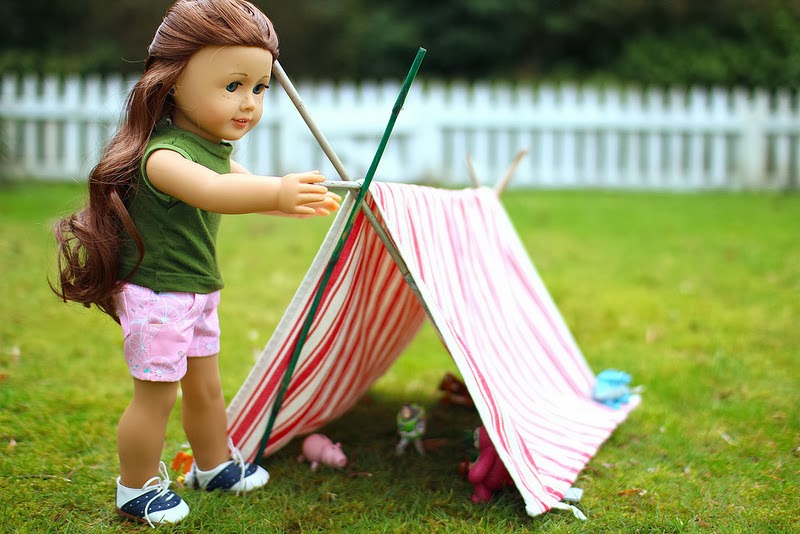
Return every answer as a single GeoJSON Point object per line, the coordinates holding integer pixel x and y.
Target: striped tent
{"type": "Point", "coordinates": [469, 273]}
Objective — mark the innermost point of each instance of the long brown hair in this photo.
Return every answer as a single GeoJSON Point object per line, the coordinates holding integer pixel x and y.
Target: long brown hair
{"type": "Point", "coordinates": [89, 241]}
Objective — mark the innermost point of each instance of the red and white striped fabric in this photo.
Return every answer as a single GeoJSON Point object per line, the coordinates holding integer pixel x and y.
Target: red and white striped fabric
{"type": "Point", "coordinates": [527, 376]}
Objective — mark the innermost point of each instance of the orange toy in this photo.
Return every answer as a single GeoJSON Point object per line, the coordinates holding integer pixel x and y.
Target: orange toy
{"type": "Point", "coordinates": [182, 462]}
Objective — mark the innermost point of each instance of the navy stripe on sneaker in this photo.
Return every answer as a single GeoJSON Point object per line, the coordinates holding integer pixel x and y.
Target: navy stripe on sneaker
{"type": "Point", "coordinates": [230, 476]}
{"type": "Point", "coordinates": [136, 507]}
{"type": "Point", "coordinates": [153, 503]}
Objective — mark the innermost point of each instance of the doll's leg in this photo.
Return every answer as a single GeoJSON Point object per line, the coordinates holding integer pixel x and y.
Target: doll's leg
{"type": "Point", "coordinates": [142, 429]}
{"type": "Point", "coordinates": [218, 464]}
{"type": "Point", "coordinates": [203, 412]}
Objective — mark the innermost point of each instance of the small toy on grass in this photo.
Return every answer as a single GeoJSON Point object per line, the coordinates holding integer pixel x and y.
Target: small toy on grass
{"type": "Point", "coordinates": [182, 462]}
{"type": "Point", "coordinates": [319, 449]}
{"type": "Point", "coordinates": [487, 474]}
{"type": "Point", "coordinates": [455, 391]}
{"type": "Point", "coordinates": [612, 388]}
{"type": "Point", "coordinates": [411, 427]}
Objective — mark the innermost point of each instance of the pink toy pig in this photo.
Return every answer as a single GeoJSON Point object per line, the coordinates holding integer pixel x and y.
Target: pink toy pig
{"type": "Point", "coordinates": [318, 449]}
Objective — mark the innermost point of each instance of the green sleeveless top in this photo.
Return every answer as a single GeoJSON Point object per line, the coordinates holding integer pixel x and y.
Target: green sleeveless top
{"type": "Point", "coordinates": [179, 239]}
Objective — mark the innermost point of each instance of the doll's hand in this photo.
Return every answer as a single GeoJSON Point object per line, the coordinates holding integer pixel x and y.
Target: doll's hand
{"type": "Point", "coordinates": [331, 203]}
{"type": "Point", "coordinates": [299, 192]}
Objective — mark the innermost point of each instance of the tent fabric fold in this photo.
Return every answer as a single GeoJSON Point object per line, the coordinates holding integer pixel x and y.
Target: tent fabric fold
{"type": "Point", "coordinates": [526, 374]}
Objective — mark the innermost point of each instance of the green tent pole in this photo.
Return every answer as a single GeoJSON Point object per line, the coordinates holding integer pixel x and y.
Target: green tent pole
{"type": "Point", "coordinates": [303, 335]}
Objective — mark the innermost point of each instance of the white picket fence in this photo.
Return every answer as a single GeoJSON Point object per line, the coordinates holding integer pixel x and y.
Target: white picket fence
{"type": "Point", "coordinates": [576, 136]}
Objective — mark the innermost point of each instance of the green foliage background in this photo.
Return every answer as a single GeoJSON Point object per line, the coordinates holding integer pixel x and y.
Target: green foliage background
{"type": "Point", "coordinates": [665, 42]}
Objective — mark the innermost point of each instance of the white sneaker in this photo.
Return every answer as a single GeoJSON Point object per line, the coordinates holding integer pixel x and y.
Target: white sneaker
{"type": "Point", "coordinates": [234, 475]}
{"type": "Point", "coordinates": [153, 503]}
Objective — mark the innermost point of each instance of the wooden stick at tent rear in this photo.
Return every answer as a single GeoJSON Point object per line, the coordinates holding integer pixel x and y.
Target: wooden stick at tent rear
{"type": "Point", "coordinates": [510, 171]}
{"type": "Point", "coordinates": [473, 176]}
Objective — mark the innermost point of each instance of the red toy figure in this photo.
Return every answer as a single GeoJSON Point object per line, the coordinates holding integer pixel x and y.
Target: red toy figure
{"type": "Point", "coordinates": [455, 391]}
{"type": "Point", "coordinates": [487, 474]}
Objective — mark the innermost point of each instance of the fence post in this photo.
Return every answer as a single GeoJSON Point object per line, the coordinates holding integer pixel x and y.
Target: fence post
{"type": "Point", "coordinates": [780, 168]}
{"type": "Point", "coordinates": [9, 143]}
{"type": "Point", "coordinates": [73, 154]}
{"type": "Point", "coordinates": [632, 162]}
{"type": "Point", "coordinates": [720, 111]}
{"type": "Point", "coordinates": [427, 135]}
{"type": "Point", "coordinates": [52, 162]}
{"type": "Point", "coordinates": [752, 146]}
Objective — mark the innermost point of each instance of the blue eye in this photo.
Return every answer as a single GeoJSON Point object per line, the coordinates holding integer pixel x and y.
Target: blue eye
{"type": "Point", "coordinates": [231, 87]}
{"type": "Point", "coordinates": [260, 88]}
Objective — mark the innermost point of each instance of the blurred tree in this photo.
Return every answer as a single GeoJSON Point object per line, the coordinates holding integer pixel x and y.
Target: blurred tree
{"type": "Point", "coordinates": [75, 36]}
{"type": "Point", "coordinates": [745, 48]}
{"type": "Point", "coordinates": [471, 39]}
{"type": "Point", "coordinates": [668, 42]}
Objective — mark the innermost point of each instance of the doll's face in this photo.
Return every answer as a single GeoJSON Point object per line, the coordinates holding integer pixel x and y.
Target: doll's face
{"type": "Point", "coordinates": [220, 93]}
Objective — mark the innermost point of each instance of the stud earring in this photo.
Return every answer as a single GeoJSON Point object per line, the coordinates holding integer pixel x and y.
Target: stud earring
{"type": "Point", "coordinates": [172, 91]}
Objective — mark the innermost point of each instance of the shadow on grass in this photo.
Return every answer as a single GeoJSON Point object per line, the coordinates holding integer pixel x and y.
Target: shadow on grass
{"type": "Point", "coordinates": [381, 491]}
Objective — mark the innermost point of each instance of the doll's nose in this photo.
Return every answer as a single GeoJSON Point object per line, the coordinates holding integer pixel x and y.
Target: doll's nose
{"type": "Point", "coordinates": [248, 101]}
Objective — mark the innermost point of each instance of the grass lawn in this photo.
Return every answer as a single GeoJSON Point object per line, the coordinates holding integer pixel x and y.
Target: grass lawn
{"type": "Point", "coordinates": [697, 296]}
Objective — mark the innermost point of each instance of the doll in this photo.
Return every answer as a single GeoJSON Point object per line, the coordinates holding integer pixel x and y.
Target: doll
{"type": "Point", "coordinates": [143, 250]}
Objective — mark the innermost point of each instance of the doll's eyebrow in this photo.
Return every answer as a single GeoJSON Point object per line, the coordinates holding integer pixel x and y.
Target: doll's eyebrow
{"type": "Point", "coordinates": [245, 75]}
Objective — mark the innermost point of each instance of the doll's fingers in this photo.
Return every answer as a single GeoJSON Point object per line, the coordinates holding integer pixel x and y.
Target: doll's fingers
{"type": "Point", "coordinates": [312, 177]}
{"type": "Point", "coordinates": [304, 210]}
{"type": "Point", "coordinates": [310, 198]}
{"type": "Point", "coordinates": [310, 189]}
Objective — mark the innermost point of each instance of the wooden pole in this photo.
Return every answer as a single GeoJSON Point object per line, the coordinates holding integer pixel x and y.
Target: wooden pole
{"type": "Point", "coordinates": [473, 176]}
{"type": "Point", "coordinates": [510, 171]}
{"type": "Point", "coordinates": [338, 184]}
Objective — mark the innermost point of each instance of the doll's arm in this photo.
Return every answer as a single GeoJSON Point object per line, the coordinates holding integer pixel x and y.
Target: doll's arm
{"type": "Point", "coordinates": [236, 192]}
{"type": "Point", "coordinates": [330, 204]}
{"type": "Point", "coordinates": [238, 168]}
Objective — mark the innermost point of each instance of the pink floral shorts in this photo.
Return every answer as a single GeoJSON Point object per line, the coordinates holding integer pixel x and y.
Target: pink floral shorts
{"type": "Point", "coordinates": [162, 329]}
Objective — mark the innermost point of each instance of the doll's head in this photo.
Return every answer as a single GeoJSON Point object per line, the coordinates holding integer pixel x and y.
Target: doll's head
{"type": "Point", "coordinates": [188, 27]}
{"type": "Point", "coordinates": [89, 241]}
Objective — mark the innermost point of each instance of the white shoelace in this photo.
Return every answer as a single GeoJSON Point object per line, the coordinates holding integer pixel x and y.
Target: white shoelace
{"type": "Point", "coordinates": [162, 483]}
{"type": "Point", "coordinates": [238, 459]}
